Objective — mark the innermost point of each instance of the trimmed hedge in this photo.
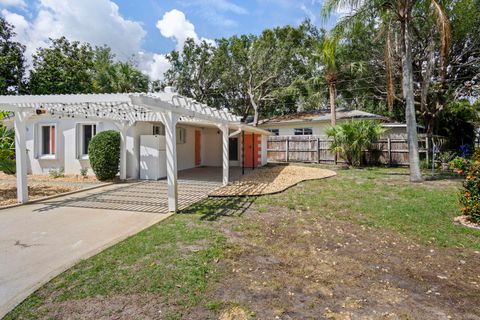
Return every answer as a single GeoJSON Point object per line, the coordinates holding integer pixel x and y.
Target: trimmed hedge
{"type": "Point", "coordinates": [104, 154]}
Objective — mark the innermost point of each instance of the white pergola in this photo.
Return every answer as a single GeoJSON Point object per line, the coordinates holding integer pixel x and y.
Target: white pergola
{"type": "Point", "coordinates": [124, 110]}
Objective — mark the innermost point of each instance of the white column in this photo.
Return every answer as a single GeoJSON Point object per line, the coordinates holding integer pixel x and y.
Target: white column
{"type": "Point", "coordinates": [225, 154]}
{"type": "Point", "coordinates": [123, 150]}
{"type": "Point", "coordinates": [21, 156]}
{"type": "Point", "coordinates": [171, 153]}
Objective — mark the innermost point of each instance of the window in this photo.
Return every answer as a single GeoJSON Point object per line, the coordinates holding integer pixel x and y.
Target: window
{"type": "Point", "coordinates": [159, 130]}
{"type": "Point", "coordinates": [303, 131]}
{"type": "Point", "coordinates": [88, 131]}
{"type": "Point", "coordinates": [181, 135]}
{"type": "Point", "coordinates": [47, 140]}
{"type": "Point", "coordinates": [233, 149]}
{"type": "Point", "coordinates": [274, 131]}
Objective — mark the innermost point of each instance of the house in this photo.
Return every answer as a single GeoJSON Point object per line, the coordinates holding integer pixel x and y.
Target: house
{"type": "Point", "coordinates": [316, 122]}
{"type": "Point", "coordinates": [161, 134]}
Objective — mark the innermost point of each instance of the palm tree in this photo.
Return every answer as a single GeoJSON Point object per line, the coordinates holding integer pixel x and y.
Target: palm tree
{"type": "Point", "coordinates": [328, 58]}
{"type": "Point", "coordinates": [352, 138]}
{"type": "Point", "coordinates": [401, 12]}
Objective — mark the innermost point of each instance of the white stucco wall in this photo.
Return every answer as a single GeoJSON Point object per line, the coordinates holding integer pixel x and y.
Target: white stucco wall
{"type": "Point", "coordinates": [67, 143]}
{"type": "Point", "coordinates": [264, 158]}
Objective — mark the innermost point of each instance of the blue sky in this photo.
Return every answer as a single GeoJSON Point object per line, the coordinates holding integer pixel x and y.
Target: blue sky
{"type": "Point", "coordinates": [215, 21]}
{"type": "Point", "coordinates": [149, 29]}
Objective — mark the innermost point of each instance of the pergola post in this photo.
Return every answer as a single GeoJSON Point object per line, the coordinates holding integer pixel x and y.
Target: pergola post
{"type": "Point", "coordinates": [225, 154]}
{"type": "Point", "coordinates": [123, 128]}
{"type": "Point", "coordinates": [171, 120]}
{"type": "Point", "coordinates": [21, 156]}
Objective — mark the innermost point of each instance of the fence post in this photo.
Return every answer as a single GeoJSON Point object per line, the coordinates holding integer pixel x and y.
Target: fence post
{"type": "Point", "coordinates": [318, 150]}
{"type": "Point", "coordinates": [286, 149]}
{"type": "Point", "coordinates": [389, 145]}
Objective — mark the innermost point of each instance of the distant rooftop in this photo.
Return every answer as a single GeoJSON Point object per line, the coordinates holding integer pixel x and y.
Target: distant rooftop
{"type": "Point", "coordinates": [322, 115]}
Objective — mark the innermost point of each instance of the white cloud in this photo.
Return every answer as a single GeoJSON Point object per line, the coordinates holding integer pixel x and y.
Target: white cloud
{"type": "Point", "coordinates": [13, 3]}
{"type": "Point", "coordinates": [154, 64]}
{"type": "Point", "coordinates": [99, 23]}
{"type": "Point", "coordinates": [174, 25]}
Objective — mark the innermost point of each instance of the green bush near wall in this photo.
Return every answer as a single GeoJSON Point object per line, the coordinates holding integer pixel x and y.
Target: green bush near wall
{"type": "Point", "coordinates": [104, 154]}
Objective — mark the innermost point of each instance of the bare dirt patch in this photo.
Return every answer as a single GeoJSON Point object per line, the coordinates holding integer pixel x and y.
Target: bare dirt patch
{"type": "Point", "coordinates": [8, 192]}
{"type": "Point", "coordinates": [272, 179]}
{"type": "Point", "coordinates": [285, 264]}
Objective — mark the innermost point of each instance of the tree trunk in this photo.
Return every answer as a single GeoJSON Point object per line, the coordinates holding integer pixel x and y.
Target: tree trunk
{"type": "Point", "coordinates": [407, 83]}
{"type": "Point", "coordinates": [254, 106]}
{"type": "Point", "coordinates": [333, 110]}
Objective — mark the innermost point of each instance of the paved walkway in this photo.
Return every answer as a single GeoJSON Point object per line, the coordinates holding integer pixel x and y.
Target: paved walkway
{"type": "Point", "coordinates": [41, 240]}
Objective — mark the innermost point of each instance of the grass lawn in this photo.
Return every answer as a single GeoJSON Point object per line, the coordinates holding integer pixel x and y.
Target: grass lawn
{"type": "Point", "coordinates": [365, 243]}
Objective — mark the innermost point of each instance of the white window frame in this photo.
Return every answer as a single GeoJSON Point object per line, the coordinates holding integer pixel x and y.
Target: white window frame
{"type": "Point", "coordinates": [303, 131]}
{"type": "Point", "coordinates": [275, 131]}
{"type": "Point", "coordinates": [39, 141]}
{"type": "Point", "coordinates": [181, 135]}
{"type": "Point", "coordinates": [80, 138]}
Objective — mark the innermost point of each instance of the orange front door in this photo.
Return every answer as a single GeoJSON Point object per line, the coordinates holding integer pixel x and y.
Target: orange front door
{"type": "Point", "coordinates": [250, 150]}
{"type": "Point", "coordinates": [198, 147]}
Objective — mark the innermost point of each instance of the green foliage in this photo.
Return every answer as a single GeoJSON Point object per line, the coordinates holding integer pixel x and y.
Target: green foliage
{"type": "Point", "coordinates": [68, 67]}
{"type": "Point", "coordinates": [7, 150]}
{"type": "Point", "coordinates": [446, 156]}
{"type": "Point", "coordinates": [57, 173]}
{"type": "Point", "coordinates": [458, 122]}
{"type": "Point", "coordinates": [351, 138]}
{"type": "Point", "coordinates": [470, 197]}
{"type": "Point", "coordinates": [84, 172]}
{"type": "Point", "coordinates": [104, 154]}
{"type": "Point", "coordinates": [12, 60]}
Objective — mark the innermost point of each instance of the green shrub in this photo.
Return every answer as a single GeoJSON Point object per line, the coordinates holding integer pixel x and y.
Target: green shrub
{"type": "Point", "coordinates": [353, 137]}
{"type": "Point", "coordinates": [470, 197]}
{"type": "Point", "coordinates": [84, 172]}
{"type": "Point", "coordinates": [7, 150]}
{"type": "Point", "coordinates": [57, 173]}
{"type": "Point", "coordinates": [104, 154]}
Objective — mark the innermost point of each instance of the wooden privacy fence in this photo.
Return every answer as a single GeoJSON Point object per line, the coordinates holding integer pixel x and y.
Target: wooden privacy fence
{"type": "Point", "coordinates": [316, 149]}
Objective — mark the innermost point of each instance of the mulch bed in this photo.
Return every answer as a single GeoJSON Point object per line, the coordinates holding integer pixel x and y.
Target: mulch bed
{"type": "Point", "coordinates": [271, 180]}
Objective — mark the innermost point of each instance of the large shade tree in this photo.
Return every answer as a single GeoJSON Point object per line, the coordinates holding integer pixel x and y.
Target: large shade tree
{"type": "Point", "coordinates": [401, 12]}
{"type": "Point", "coordinates": [12, 60]}
{"type": "Point", "coordinates": [69, 67]}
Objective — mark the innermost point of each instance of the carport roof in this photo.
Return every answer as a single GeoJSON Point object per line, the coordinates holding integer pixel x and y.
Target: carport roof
{"type": "Point", "coordinates": [123, 107]}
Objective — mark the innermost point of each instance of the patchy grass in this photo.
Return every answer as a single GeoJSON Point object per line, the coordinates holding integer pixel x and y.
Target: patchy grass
{"type": "Point", "coordinates": [383, 197]}
{"type": "Point", "coordinates": [172, 261]}
{"type": "Point", "coordinates": [364, 244]}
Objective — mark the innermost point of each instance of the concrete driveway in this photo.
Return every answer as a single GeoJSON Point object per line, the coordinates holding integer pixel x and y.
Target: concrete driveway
{"type": "Point", "coordinates": [39, 241]}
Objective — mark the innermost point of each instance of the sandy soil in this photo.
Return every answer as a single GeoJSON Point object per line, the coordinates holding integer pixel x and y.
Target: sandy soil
{"type": "Point", "coordinates": [47, 178]}
{"type": "Point", "coordinates": [281, 265]}
{"type": "Point", "coordinates": [272, 179]}
{"type": "Point", "coordinates": [8, 192]}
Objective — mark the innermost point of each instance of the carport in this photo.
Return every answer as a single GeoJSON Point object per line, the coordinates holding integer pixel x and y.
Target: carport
{"type": "Point", "coordinates": [124, 110]}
